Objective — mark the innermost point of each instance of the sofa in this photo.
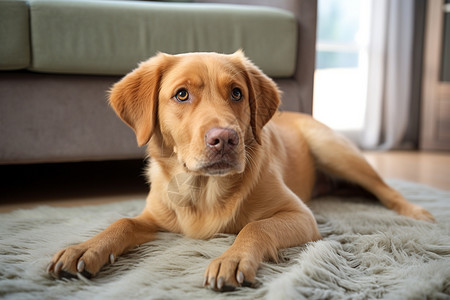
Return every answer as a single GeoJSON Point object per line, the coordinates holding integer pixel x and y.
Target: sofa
{"type": "Point", "coordinates": [58, 59]}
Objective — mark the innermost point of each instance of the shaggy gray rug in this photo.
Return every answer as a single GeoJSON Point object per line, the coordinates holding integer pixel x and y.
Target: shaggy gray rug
{"type": "Point", "coordinates": [367, 252]}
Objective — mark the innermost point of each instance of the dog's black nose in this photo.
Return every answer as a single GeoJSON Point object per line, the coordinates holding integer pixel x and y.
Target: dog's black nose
{"type": "Point", "coordinates": [221, 139]}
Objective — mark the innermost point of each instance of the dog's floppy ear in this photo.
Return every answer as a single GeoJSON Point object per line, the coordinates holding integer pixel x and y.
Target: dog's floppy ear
{"type": "Point", "coordinates": [264, 96]}
{"type": "Point", "coordinates": [135, 97]}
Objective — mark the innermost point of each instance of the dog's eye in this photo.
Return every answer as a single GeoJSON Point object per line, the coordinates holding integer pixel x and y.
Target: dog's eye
{"type": "Point", "coordinates": [236, 94]}
{"type": "Point", "coordinates": [182, 95]}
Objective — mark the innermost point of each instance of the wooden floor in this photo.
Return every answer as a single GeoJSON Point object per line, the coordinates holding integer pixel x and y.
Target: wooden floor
{"type": "Point", "coordinates": [430, 168]}
{"type": "Point", "coordinates": [103, 182]}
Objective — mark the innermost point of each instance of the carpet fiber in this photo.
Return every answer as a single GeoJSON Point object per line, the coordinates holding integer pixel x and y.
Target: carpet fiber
{"type": "Point", "coordinates": [367, 252]}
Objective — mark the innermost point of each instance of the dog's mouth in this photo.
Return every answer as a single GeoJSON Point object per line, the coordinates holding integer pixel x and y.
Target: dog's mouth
{"type": "Point", "coordinates": [218, 168]}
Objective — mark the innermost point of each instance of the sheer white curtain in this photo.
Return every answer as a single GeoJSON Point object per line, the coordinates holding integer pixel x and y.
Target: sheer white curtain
{"type": "Point", "coordinates": [389, 78]}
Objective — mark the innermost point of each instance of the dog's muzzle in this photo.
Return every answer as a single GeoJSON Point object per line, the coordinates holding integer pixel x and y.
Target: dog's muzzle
{"type": "Point", "coordinates": [221, 151]}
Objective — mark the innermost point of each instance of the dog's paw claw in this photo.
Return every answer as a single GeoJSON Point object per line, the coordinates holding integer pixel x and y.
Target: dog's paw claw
{"type": "Point", "coordinates": [240, 277]}
{"type": "Point", "coordinates": [50, 267]}
{"type": "Point", "coordinates": [58, 267]}
{"type": "Point", "coordinates": [80, 266]}
{"type": "Point", "coordinates": [220, 283]}
{"type": "Point", "coordinates": [212, 282]}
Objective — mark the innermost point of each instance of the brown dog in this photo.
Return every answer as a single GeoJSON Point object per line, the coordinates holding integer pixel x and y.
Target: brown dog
{"type": "Point", "coordinates": [223, 160]}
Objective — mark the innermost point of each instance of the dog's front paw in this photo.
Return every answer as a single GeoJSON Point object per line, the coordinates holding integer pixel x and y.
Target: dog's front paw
{"type": "Point", "coordinates": [85, 259]}
{"type": "Point", "coordinates": [230, 271]}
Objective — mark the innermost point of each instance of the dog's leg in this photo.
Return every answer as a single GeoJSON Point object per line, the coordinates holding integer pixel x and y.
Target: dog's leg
{"type": "Point", "coordinates": [338, 157]}
{"type": "Point", "coordinates": [258, 241]}
{"type": "Point", "coordinates": [87, 258]}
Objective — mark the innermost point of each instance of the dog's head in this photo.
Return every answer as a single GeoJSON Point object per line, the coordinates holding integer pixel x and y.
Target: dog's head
{"type": "Point", "coordinates": [207, 107]}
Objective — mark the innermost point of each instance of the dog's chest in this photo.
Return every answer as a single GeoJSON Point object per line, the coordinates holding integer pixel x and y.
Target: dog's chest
{"type": "Point", "coordinates": [201, 212]}
{"type": "Point", "coordinates": [197, 206]}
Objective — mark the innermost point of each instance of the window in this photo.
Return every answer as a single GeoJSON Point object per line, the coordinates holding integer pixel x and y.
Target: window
{"type": "Point", "coordinates": [341, 64]}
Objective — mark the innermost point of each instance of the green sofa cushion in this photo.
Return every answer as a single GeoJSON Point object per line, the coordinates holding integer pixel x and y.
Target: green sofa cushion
{"type": "Point", "coordinates": [111, 37]}
{"type": "Point", "coordinates": [14, 35]}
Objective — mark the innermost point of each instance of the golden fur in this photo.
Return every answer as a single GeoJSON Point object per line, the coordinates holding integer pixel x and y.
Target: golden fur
{"type": "Point", "coordinates": [223, 159]}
